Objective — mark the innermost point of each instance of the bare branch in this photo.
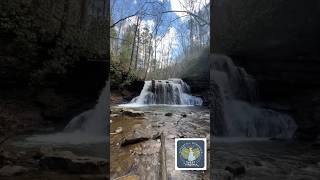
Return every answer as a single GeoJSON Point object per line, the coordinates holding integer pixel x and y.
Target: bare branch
{"type": "Point", "coordinates": [122, 19]}
{"type": "Point", "coordinates": [188, 12]}
{"type": "Point", "coordinates": [164, 12]}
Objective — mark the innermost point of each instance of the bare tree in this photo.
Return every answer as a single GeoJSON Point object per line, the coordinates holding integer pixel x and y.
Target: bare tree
{"type": "Point", "coordinates": [134, 42]}
{"type": "Point", "coordinates": [137, 50]}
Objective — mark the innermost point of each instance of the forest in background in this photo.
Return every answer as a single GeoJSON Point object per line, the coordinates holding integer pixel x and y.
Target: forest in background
{"type": "Point", "coordinates": [53, 60]}
{"type": "Point", "coordinates": [158, 39]}
{"type": "Point", "coordinates": [43, 39]}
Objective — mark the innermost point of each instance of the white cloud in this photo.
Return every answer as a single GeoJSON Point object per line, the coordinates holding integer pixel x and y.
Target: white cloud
{"type": "Point", "coordinates": [148, 23]}
{"type": "Point", "coordinates": [184, 5]}
{"type": "Point", "coordinates": [128, 22]}
{"type": "Point", "coordinates": [135, 2]}
{"type": "Point", "coordinates": [167, 45]}
{"type": "Point", "coordinates": [177, 6]}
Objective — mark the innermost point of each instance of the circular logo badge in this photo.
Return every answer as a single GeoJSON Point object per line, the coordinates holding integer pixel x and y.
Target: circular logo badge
{"type": "Point", "coordinates": [190, 154]}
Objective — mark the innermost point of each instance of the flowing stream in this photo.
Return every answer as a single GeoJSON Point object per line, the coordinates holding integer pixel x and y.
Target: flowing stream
{"type": "Point", "coordinates": [163, 106]}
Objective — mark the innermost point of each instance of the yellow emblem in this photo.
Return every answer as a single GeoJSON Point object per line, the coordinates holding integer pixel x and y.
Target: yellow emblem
{"type": "Point", "coordinates": [190, 154]}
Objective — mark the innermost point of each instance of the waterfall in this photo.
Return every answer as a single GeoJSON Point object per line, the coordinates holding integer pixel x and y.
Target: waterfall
{"type": "Point", "coordinates": [171, 91]}
{"type": "Point", "coordinates": [237, 91]}
{"type": "Point", "coordinates": [93, 121]}
{"type": "Point", "coordinates": [88, 127]}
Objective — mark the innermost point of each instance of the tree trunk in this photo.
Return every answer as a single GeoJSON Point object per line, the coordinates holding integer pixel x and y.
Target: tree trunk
{"type": "Point", "coordinates": [104, 9]}
{"type": "Point", "coordinates": [83, 12]}
{"type": "Point", "coordinates": [133, 44]}
{"type": "Point", "coordinates": [64, 20]}
{"type": "Point", "coordinates": [137, 51]}
{"type": "Point", "coordinates": [148, 63]}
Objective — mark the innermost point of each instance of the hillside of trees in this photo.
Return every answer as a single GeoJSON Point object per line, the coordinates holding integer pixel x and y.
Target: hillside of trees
{"type": "Point", "coordinates": [144, 42]}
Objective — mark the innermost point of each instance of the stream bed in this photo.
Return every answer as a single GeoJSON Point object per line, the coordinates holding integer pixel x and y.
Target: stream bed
{"type": "Point", "coordinates": [265, 159]}
{"type": "Point", "coordinates": [146, 123]}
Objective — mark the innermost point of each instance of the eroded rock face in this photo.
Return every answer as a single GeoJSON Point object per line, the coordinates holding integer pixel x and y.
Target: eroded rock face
{"type": "Point", "coordinates": [275, 41]}
{"type": "Point", "coordinates": [307, 111]}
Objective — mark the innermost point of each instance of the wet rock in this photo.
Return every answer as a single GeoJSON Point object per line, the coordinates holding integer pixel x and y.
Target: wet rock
{"type": "Point", "coordinates": [181, 135]}
{"type": "Point", "coordinates": [257, 163]}
{"type": "Point", "coordinates": [12, 170]}
{"type": "Point", "coordinates": [157, 126]}
{"type": "Point", "coordinates": [259, 171]}
{"type": "Point", "coordinates": [307, 112]}
{"type": "Point", "coordinates": [171, 136]}
{"type": "Point", "coordinates": [8, 157]}
{"type": "Point", "coordinates": [114, 115]}
{"type": "Point", "coordinates": [127, 95]}
{"type": "Point", "coordinates": [43, 150]}
{"type": "Point", "coordinates": [66, 161]}
{"type": "Point", "coordinates": [21, 154]}
{"type": "Point", "coordinates": [133, 140]}
{"type": "Point", "coordinates": [168, 114]}
{"type": "Point", "coordinates": [277, 139]}
{"type": "Point", "coordinates": [140, 133]}
{"type": "Point", "coordinates": [119, 130]}
{"type": "Point", "coordinates": [311, 170]}
{"type": "Point", "coordinates": [236, 168]}
{"type": "Point", "coordinates": [303, 177]}
{"type": "Point", "coordinates": [222, 175]}
{"type": "Point", "coordinates": [184, 115]}
{"type": "Point", "coordinates": [4, 155]}
{"type": "Point", "coordinates": [156, 135]}
{"type": "Point", "coordinates": [132, 113]}
{"type": "Point", "coordinates": [136, 126]}
{"type": "Point", "coordinates": [129, 177]}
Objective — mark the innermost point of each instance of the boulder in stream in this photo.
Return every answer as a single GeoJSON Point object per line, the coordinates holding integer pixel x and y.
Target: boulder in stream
{"type": "Point", "coordinates": [132, 113]}
{"type": "Point", "coordinates": [119, 130]}
{"type": "Point", "coordinates": [236, 168]}
{"type": "Point", "coordinates": [9, 170]}
{"type": "Point", "coordinates": [222, 174]}
{"type": "Point", "coordinates": [133, 140]}
{"type": "Point", "coordinates": [66, 161]}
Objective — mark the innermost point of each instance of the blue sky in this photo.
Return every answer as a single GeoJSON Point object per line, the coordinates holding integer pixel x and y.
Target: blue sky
{"type": "Point", "coordinates": [130, 7]}
{"type": "Point", "coordinates": [172, 27]}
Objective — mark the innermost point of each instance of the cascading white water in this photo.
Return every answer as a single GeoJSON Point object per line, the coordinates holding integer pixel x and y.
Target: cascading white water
{"type": "Point", "coordinates": [171, 91]}
{"type": "Point", "coordinates": [88, 127]}
{"type": "Point", "coordinates": [241, 118]}
{"type": "Point", "coordinates": [244, 119]}
{"type": "Point", "coordinates": [93, 121]}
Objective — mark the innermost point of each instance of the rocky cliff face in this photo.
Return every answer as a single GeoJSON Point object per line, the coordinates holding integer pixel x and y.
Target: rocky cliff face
{"type": "Point", "coordinates": [52, 59]}
{"type": "Point", "coordinates": [196, 75]}
{"type": "Point", "coordinates": [277, 42]}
